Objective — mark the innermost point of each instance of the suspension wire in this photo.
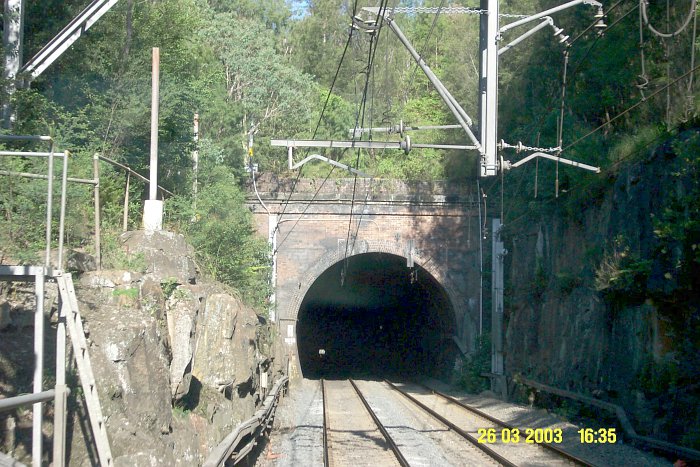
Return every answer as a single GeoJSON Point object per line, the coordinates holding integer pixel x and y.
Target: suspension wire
{"type": "Point", "coordinates": [360, 119]}
{"type": "Point", "coordinates": [689, 103]}
{"type": "Point", "coordinates": [667, 35]}
{"type": "Point", "coordinates": [425, 43]}
{"type": "Point", "coordinates": [560, 130]}
{"type": "Point", "coordinates": [318, 124]}
{"type": "Point", "coordinates": [590, 48]}
{"type": "Point", "coordinates": [644, 77]}
{"type": "Point", "coordinates": [306, 207]}
{"type": "Point", "coordinates": [632, 107]}
{"type": "Point", "coordinates": [609, 169]}
{"type": "Point", "coordinates": [667, 52]}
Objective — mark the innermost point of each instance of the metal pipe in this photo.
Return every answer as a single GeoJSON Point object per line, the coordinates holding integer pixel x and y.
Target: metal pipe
{"type": "Point", "coordinates": [64, 39]}
{"type": "Point", "coordinates": [554, 158]}
{"type": "Point", "coordinates": [481, 262]}
{"type": "Point", "coordinates": [125, 220]}
{"type": "Point", "coordinates": [547, 22]}
{"type": "Point", "coordinates": [306, 143]}
{"type": "Point", "coordinates": [401, 128]}
{"type": "Point", "coordinates": [59, 423]}
{"type": "Point", "coordinates": [38, 367]}
{"type": "Point", "coordinates": [446, 97]}
{"type": "Point", "coordinates": [62, 215]}
{"type": "Point", "coordinates": [60, 406]}
{"type": "Point", "coordinates": [441, 146]}
{"type": "Point", "coordinates": [131, 171]}
{"type": "Point", "coordinates": [327, 160]}
{"type": "Point", "coordinates": [25, 138]}
{"type": "Point", "coordinates": [30, 154]}
{"type": "Point", "coordinates": [26, 399]}
{"type": "Point", "coordinates": [49, 208]}
{"type": "Point", "coordinates": [542, 14]}
{"type": "Point", "coordinates": [291, 143]}
{"type": "Point", "coordinates": [84, 181]}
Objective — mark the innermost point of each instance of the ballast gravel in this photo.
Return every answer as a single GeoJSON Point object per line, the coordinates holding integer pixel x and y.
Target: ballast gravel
{"type": "Point", "coordinates": [297, 435]}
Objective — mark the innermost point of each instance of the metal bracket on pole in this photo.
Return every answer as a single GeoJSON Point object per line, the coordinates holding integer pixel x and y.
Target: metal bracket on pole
{"type": "Point", "coordinates": [64, 39]}
{"type": "Point", "coordinates": [462, 117]}
{"type": "Point", "coordinates": [328, 161]}
{"type": "Point", "coordinates": [508, 165]}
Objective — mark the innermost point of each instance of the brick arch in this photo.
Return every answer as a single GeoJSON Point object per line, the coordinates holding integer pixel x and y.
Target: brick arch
{"type": "Point", "coordinates": [371, 246]}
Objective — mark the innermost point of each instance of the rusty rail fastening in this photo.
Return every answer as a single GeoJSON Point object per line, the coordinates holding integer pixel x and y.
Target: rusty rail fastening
{"type": "Point", "coordinates": [503, 424]}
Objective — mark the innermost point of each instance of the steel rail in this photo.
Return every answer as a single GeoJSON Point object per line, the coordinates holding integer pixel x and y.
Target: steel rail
{"type": "Point", "coordinates": [487, 450]}
{"type": "Point", "coordinates": [390, 441]}
{"type": "Point", "coordinates": [503, 424]}
{"type": "Point", "coordinates": [326, 461]}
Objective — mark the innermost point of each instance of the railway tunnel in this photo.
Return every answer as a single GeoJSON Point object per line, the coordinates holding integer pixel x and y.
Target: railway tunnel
{"type": "Point", "coordinates": [372, 316]}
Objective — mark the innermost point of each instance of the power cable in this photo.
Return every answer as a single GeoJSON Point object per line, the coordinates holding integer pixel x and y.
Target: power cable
{"type": "Point", "coordinates": [320, 118]}
{"type": "Point", "coordinates": [588, 51]}
{"type": "Point", "coordinates": [631, 108]}
{"type": "Point", "coordinates": [360, 118]}
{"type": "Point", "coordinates": [606, 170]}
{"type": "Point", "coordinates": [306, 207]}
{"type": "Point", "coordinates": [643, 4]}
{"type": "Point", "coordinates": [425, 43]}
{"type": "Point", "coordinates": [593, 24]}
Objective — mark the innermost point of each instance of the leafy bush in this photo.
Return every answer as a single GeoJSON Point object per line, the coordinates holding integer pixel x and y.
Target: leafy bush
{"type": "Point", "coordinates": [621, 276]}
{"type": "Point", "coordinates": [221, 230]}
{"type": "Point", "coordinates": [474, 365]}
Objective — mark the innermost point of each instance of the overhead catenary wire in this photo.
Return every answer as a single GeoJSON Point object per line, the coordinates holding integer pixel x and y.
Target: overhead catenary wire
{"type": "Point", "coordinates": [608, 169]}
{"type": "Point", "coordinates": [425, 42]}
{"type": "Point", "coordinates": [303, 212]}
{"type": "Point", "coordinates": [359, 120]}
{"type": "Point", "coordinates": [320, 118]}
{"type": "Point", "coordinates": [629, 109]}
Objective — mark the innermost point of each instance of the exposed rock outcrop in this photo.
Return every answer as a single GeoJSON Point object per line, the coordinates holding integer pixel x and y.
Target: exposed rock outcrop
{"type": "Point", "coordinates": [177, 359]}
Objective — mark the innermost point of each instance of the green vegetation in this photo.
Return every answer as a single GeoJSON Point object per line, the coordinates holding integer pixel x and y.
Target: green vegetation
{"type": "Point", "coordinates": [469, 377]}
{"type": "Point", "coordinates": [129, 292]}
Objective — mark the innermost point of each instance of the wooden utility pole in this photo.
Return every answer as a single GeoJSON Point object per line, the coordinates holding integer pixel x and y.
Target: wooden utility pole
{"type": "Point", "coordinates": [155, 94]}
{"type": "Point", "coordinates": [195, 160]}
{"type": "Point", "coordinates": [153, 208]}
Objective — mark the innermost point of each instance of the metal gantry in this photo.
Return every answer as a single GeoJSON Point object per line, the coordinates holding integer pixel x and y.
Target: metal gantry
{"type": "Point", "coordinates": [490, 36]}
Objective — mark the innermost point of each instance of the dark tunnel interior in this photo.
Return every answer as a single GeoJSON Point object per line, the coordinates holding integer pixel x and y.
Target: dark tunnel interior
{"type": "Point", "coordinates": [384, 320]}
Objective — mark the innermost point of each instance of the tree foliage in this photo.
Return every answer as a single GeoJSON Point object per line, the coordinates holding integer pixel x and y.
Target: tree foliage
{"type": "Point", "coordinates": [246, 65]}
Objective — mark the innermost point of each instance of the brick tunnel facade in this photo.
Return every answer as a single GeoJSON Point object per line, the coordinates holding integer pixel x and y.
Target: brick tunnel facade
{"type": "Point", "coordinates": [399, 281]}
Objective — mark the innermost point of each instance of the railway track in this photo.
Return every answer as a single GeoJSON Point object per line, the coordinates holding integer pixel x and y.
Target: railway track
{"type": "Point", "coordinates": [352, 433]}
{"type": "Point", "coordinates": [473, 425]}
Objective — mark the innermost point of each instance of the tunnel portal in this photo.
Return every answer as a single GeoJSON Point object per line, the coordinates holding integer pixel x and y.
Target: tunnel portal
{"type": "Point", "coordinates": [383, 320]}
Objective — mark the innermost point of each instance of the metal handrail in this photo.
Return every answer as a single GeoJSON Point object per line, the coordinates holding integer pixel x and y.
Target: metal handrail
{"type": "Point", "coordinates": [26, 399]}
{"type": "Point", "coordinates": [238, 443]}
{"type": "Point", "coordinates": [621, 415]}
